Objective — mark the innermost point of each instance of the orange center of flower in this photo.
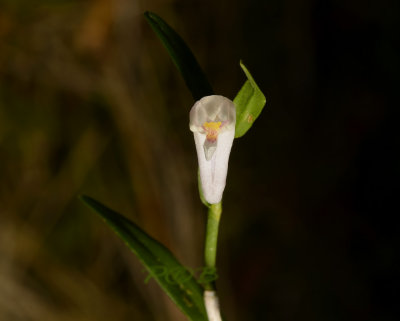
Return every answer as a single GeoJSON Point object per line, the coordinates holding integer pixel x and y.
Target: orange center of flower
{"type": "Point", "coordinates": [212, 129]}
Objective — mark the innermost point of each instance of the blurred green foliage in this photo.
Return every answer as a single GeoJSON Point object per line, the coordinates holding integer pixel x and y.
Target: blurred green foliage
{"type": "Point", "coordinates": [175, 279]}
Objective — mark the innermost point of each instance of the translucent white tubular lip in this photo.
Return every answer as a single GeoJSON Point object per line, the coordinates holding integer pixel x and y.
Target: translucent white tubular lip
{"type": "Point", "coordinates": [213, 172]}
{"type": "Point", "coordinates": [212, 120]}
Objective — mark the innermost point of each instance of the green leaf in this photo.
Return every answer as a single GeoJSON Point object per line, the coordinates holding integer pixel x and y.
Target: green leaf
{"type": "Point", "coordinates": [181, 55]}
{"type": "Point", "coordinates": [173, 278]}
{"type": "Point", "coordinates": [249, 103]}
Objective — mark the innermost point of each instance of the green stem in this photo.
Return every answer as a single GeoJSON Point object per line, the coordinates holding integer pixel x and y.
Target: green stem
{"type": "Point", "coordinates": [210, 251]}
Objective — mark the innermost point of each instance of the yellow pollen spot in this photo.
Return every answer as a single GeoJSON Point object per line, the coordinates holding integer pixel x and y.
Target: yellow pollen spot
{"type": "Point", "coordinates": [212, 128]}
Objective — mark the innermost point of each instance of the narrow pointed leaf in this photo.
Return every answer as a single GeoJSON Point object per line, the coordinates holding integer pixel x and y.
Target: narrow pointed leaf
{"type": "Point", "coordinates": [249, 103]}
{"type": "Point", "coordinates": [182, 56]}
{"type": "Point", "coordinates": [161, 264]}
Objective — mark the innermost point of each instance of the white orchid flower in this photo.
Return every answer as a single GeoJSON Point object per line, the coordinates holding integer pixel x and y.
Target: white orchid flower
{"type": "Point", "coordinates": [212, 120]}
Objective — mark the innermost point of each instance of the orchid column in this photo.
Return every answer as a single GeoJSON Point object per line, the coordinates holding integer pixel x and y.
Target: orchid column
{"type": "Point", "coordinates": [212, 120]}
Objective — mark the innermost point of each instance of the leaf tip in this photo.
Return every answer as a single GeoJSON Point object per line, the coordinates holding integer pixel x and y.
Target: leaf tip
{"type": "Point", "coordinates": [148, 14]}
{"type": "Point", "coordinates": [83, 197]}
{"type": "Point", "coordinates": [87, 200]}
{"type": "Point", "coordinates": [243, 66]}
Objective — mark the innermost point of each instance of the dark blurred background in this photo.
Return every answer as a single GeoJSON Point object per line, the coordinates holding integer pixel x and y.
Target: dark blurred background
{"type": "Point", "coordinates": [91, 103]}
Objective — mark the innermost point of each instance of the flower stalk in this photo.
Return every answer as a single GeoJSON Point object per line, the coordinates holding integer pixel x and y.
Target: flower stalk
{"type": "Point", "coordinates": [210, 252]}
{"type": "Point", "coordinates": [211, 301]}
{"type": "Point", "coordinates": [212, 306]}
